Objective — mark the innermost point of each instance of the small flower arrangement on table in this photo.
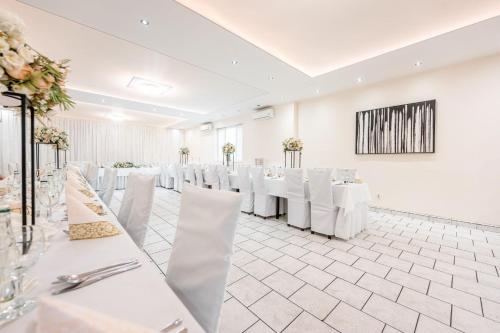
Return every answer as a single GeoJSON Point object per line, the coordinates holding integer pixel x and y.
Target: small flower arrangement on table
{"type": "Point", "coordinates": [184, 155]}
{"type": "Point", "coordinates": [53, 136]}
{"type": "Point", "coordinates": [184, 151]}
{"type": "Point", "coordinates": [290, 147]}
{"type": "Point", "coordinates": [124, 165]}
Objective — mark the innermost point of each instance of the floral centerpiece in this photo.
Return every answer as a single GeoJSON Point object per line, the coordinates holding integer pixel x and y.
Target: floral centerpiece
{"type": "Point", "coordinates": [26, 71]}
{"type": "Point", "coordinates": [184, 151]}
{"type": "Point", "coordinates": [52, 135]}
{"type": "Point", "coordinates": [292, 144]}
{"type": "Point", "coordinates": [120, 165]}
{"type": "Point", "coordinates": [228, 149]}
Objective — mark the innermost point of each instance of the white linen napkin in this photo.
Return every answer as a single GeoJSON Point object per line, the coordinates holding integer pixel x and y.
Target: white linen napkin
{"type": "Point", "coordinates": [56, 316]}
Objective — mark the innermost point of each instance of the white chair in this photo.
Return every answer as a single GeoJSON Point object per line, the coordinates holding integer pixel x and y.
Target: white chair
{"type": "Point", "coordinates": [108, 185]}
{"type": "Point", "coordinates": [190, 174]}
{"type": "Point", "coordinates": [245, 186]}
{"type": "Point", "coordinates": [299, 208]}
{"type": "Point", "coordinates": [179, 170]}
{"type": "Point", "coordinates": [165, 180]}
{"type": "Point", "coordinates": [92, 175]}
{"type": "Point", "coordinates": [264, 204]}
{"type": "Point", "coordinates": [212, 179]}
{"type": "Point", "coordinates": [199, 175]}
{"type": "Point", "coordinates": [201, 252]}
{"type": "Point", "coordinates": [136, 206]}
{"type": "Point", "coordinates": [323, 210]}
{"type": "Point", "coordinates": [223, 178]}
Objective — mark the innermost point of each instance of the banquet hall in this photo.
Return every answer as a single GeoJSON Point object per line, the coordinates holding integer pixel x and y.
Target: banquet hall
{"type": "Point", "coordinates": [224, 166]}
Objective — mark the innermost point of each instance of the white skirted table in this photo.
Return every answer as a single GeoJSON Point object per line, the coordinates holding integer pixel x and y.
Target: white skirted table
{"type": "Point", "coordinates": [351, 199]}
{"type": "Point", "coordinates": [140, 296]}
{"type": "Point", "coordinates": [122, 175]}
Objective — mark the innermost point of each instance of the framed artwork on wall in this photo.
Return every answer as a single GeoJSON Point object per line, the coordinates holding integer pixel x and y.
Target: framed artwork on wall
{"type": "Point", "coordinates": [400, 129]}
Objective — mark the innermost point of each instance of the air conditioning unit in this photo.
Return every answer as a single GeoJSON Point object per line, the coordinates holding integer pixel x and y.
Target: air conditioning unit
{"type": "Point", "coordinates": [207, 127]}
{"type": "Point", "coordinates": [264, 113]}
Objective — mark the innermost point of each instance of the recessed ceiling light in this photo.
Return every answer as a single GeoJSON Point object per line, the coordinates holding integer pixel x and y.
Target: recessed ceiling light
{"type": "Point", "coordinates": [144, 22]}
{"type": "Point", "coordinates": [148, 87]}
{"type": "Point", "coordinates": [271, 78]}
{"type": "Point", "coordinates": [235, 62]}
{"type": "Point", "coordinates": [117, 117]}
{"type": "Point", "coordinates": [316, 91]}
{"type": "Point", "coordinates": [360, 79]}
{"type": "Point", "coordinates": [418, 64]}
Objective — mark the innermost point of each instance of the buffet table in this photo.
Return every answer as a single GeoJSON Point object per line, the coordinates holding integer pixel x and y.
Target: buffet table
{"type": "Point", "coordinates": [139, 296]}
{"type": "Point", "coordinates": [122, 175]}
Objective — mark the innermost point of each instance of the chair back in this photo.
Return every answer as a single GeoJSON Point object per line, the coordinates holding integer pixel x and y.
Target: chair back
{"type": "Point", "coordinates": [294, 180]}
{"type": "Point", "coordinates": [136, 206]}
{"type": "Point", "coordinates": [212, 177]}
{"type": "Point", "coordinates": [244, 182]}
{"type": "Point", "coordinates": [199, 175]}
{"type": "Point", "coordinates": [179, 170]}
{"type": "Point", "coordinates": [320, 189]}
{"type": "Point", "coordinates": [201, 252]}
{"type": "Point", "coordinates": [190, 174]}
{"type": "Point", "coordinates": [223, 178]}
{"type": "Point", "coordinates": [108, 185]}
{"type": "Point", "coordinates": [92, 175]}
{"type": "Point", "coordinates": [258, 182]}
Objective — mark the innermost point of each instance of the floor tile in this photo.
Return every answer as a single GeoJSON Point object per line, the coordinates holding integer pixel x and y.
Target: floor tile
{"type": "Point", "coordinates": [429, 325]}
{"type": "Point", "coordinates": [315, 277]}
{"type": "Point", "coordinates": [275, 243]}
{"type": "Point", "coordinates": [248, 290]}
{"type": "Point", "coordinates": [380, 286]}
{"type": "Point", "coordinates": [391, 261]}
{"type": "Point", "coordinates": [344, 271]}
{"type": "Point", "coordinates": [316, 260]}
{"type": "Point", "coordinates": [250, 245]}
{"type": "Point", "coordinates": [455, 270]}
{"type": "Point", "coordinates": [283, 283]}
{"type": "Point", "coordinates": [276, 311]}
{"type": "Point", "coordinates": [444, 257]}
{"type": "Point", "coordinates": [315, 301]}
{"type": "Point", "coordinates": [386, 250]}
{"type": "Point", "coordinates": [317, 248]}
{"type": "Point", "coordinates": [259, 269]}
{"type": "Point", "coordinates": [267, 254]}
{"type": "Point", "coordinates": [349, 293]}
{"type": "Point", "coordinates": [488, 279]}
{"type": "Point", "coordinates": [242, 258]}
{"type": "Point", "coordinates": [307, 323]}
{"type": "Point", "coordinates": [491, 310]}
{"type": "Point", "coordinates": [364, 253]}
{"type": "Point", "coordinates": [408, 280]}
{"type": "Point", "coordinates": [477, 289]}
{"type": "Point", "coordinates": [297, 240]}
{"type": "Point", "coordinates": [347, 319]}
{"type": "Point", "coordinates": [415, 258]}
{"type": "Point", "coordinates": [235, 317]}
{"type": "Point", "coordinates": [339, 244]}
{"type": "Point", "coordinates": [371, 267]}
{"type": "Point", "coordinates": [469, 322]}
{"type": "Point", "coordinates": [426, 305]}
{"type": "Point", "coordinates": [430, 274]}
{"type": "Point", "coordinates": [258, 327]}
{"type": "Point", "coordinates": [477, 266]}
{"type": "Point", "coordinates": [289, 264]}
{"type": "Point", "coordinates": [456, 297]}
{"type": "Point", "coordinates": [396, 315]}
{"type": "Point", "coordinates": [342, 256]}
{"type": "Point", "coordinates": [294, 250]}
{"type": "Point", "coordinates": [234, 274]}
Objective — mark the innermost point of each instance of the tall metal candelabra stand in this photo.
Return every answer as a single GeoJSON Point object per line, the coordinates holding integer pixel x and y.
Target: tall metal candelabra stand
{"type": "Point", "coordinates": [27, 117]}
{"type": "Point", "coordinates": [183, 159]}
{"type": "Point", "coordinates": [228, 159]}
{"type": "Point", "coordinates": [294, 156]}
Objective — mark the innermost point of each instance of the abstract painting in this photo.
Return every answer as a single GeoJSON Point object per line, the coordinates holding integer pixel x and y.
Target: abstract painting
{"type": "Point", "coordinates": [401, 129]}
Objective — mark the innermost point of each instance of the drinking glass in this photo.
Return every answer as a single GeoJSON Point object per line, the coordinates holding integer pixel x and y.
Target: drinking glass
{"type": "Point", "coordinates": [48, 196]}
{"type": "Point", "coordinates": [30, 243]}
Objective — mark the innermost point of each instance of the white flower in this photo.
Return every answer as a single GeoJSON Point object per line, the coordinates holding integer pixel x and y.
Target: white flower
{"type": "Point", "coordinates": [12, 60]}
{"type": "Point", "coordinates": [2, 72]}
{"type": "Point", "coordinates": [3, 88]}
{"type": "Point", "coordinates": [4, 46]}
{"type": "Point", "coordinates": [11, 24]}
{"type": "Point", "coordinates": [27, 54]}
{"type": "Point", "coordinates": [16, 42]}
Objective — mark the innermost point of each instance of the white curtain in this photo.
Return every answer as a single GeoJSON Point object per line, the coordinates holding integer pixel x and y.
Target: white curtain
{"type": "Point", "coordinates": [107, 142]}
{"type": "Point", "coordinates": [10, 139]}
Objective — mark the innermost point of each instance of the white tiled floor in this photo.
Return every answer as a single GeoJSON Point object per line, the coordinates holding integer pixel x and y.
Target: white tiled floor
{"type": "Point", "coordinates": [400, 275]}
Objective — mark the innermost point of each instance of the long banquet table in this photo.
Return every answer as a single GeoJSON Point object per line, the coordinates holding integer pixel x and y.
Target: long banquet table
{"type": "Point", "coordinates": [122, 175]}
{"type": "Point", "coordinates": [140, 296]}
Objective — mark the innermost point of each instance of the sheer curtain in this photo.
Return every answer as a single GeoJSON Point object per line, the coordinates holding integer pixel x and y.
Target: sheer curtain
{"type": "Point", "coordinates": [231, 134]}
{"type": "Point", "coordinates": [10, 139]}
{"type": "Point", "coordinates": [107, 142]}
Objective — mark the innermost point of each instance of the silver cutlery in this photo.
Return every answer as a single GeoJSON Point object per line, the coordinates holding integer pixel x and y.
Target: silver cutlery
{"type": "Point", "coordinates": [76, 278]}
{"type": "Point", "coordinates": [95, 279]}
{"type": "Point", "coordinates": [182, 330]}
{"type": "Point", "coordinates": [172, 325]}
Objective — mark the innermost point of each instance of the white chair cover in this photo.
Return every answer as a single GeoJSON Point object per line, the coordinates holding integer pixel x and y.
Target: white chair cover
{"type": "Point", "coordinates": [165, 180]}
{"type": "Point", "coordinates": [223, 178]}
{"type": "Point", "coordinates": [92, 175]}
{"type": "Point", "coordinates": [246, 191]}
{"type": "Point", "coordinates": [199, 175]}
{"type": "Point", "coordinates": [264, 204]}
{"type": "Point", "coordinates": [172, 174]}
{"type": "Point", "coordinates": [108, 185]}
{"type": "Point", "coordinates": [323, 210]}
{"type": "Point", "coordinates": [299, 208]}
{"type": "Point", "coordinates": [136, 206]}
{"type": "Point", "coordinates": [203, 245]}
{"type": "Point", "coordinates": [179, 170]}
{"type": "Point", "coordinates": [190, 174]}
{"type": "Point", "coordinates": [212, 179]}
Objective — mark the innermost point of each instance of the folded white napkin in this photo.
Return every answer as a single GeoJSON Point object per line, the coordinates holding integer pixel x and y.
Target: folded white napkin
{"type": "Point", "coordinates": [78, 212]}
{"type": "Point", "coordinates": [56, 316]}
{"type": "Point", "coordinates": [79, 192]}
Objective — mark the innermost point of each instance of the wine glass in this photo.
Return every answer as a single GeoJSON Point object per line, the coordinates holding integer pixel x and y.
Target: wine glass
{"type": "Point", "coordinates": [48, 197]}
{"type": "Point", "coordinates": [9, 256]}
{"type": "Point", "coordinates": [30, 243]}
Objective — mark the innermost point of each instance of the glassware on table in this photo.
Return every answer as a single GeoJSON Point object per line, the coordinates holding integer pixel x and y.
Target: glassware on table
{"type": "Point", "coordinates": [48, 196]}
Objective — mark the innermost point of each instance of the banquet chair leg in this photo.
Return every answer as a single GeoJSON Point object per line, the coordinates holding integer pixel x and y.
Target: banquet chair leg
{"type": "Point", "coordinates": [329, 237]}
{"type": "Point", "coordinates": [312, 232]}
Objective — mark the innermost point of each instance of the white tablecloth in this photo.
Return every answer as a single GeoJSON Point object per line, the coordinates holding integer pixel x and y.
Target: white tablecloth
{"type": "Point", "coordinates": [122, 175]}
{"type": "Point", "coordinates": [140, 296]}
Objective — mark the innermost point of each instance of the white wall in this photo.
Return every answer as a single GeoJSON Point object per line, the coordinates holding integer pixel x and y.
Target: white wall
{"type": "Point", "coordinates": [461, 180]}
{"type": "Point", "coordinates": [261, 138]}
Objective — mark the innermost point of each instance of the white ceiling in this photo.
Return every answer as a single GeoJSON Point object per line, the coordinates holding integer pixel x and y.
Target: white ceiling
{"type": "Point", "coordinates": [319, 36]}
{"type": "Point", "coordinates": [108, 45]}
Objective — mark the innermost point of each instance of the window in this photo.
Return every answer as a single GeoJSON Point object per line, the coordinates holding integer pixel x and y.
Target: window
{"type": "Point", "coordinates": [234, 135]}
